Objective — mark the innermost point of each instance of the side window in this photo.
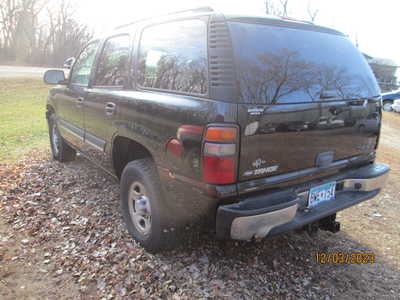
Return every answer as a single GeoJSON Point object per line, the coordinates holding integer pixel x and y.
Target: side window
{"type": "Point", "coordinates": [173, 56]}
{"type": "Point", "coordinates": [80, 73]}
{"type": "Point", "coordinates": [112, 69]}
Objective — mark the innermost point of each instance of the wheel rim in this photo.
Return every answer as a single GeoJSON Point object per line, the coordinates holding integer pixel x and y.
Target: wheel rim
{"type": "Point", "coordinates": [139, 208]}
{"type": "Point", "coordinates": [55, 140]}
{"type": "Point", "coordinates": [387, 106]}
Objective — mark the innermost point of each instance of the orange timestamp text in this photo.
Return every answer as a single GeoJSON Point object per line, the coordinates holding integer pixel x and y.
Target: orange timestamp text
{"type": "Point", "coordinates": [345, 258]}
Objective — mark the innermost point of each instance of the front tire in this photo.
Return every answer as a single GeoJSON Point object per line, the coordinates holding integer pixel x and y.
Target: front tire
{"type": "Point", "coordinates": [60, 149]}
{"type": "Point", "coordinates": [145, 214]}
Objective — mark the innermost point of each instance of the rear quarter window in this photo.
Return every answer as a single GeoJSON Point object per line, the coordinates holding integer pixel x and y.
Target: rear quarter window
{"type": "Point", "coordinates": [173, 57]}
{"type": "Point", "coordinates": [284, 65]}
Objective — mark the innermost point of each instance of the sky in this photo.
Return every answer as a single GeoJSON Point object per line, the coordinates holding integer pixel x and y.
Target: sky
{"type": "Point", "coordinates": [372, 23]}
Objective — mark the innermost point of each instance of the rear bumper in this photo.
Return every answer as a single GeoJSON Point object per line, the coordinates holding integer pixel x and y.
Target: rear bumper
{"type": "Point", "coordinates": [275, 213]}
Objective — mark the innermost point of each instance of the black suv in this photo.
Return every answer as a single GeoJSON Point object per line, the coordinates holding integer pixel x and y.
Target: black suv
{"type": "Point", "coordinates": [253, 125]}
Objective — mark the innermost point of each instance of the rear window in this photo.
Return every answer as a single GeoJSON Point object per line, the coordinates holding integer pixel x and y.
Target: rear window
{"type": "Point", "coordinates": [285, 65]}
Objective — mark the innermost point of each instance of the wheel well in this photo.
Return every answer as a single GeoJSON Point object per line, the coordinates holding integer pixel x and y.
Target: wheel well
{"type": "Point", "coordinates": [126, 150]}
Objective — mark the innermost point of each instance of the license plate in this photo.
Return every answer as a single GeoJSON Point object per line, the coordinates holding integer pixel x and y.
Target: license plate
{"type": "Point", "coordinates": [321, 194]}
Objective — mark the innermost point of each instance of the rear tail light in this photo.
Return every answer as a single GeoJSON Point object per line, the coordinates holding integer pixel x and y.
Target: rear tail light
{"type": "Point", "coordinates": [220, 155]}
{"type": "Point", "coordinates": [219, 150]}
{"type": "Point", "coordinates": [221, 134]}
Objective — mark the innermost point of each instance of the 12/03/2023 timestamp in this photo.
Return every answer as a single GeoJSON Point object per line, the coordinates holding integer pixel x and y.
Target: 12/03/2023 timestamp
{"type": "Point", "coordinates": [345, 258]}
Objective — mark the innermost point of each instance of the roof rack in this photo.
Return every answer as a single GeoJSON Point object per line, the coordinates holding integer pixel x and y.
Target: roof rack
{"type": "Point", "coordinates": [194, 10]}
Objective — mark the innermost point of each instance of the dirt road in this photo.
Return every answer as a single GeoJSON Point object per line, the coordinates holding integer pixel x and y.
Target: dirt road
{"type": "Point", "coordinates": [61, 237]}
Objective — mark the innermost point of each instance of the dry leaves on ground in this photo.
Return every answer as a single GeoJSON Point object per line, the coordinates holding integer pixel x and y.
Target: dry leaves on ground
{"type": "Point", "coordinates": [61, 237]}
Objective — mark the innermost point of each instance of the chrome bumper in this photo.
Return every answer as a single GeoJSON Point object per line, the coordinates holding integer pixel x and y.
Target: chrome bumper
{"type": "Point", "coordinates": [260, 225]}
{"type": "Point", "coordinates": [365, 185]}
{"type": "Point", "coordinates": [245, 228]}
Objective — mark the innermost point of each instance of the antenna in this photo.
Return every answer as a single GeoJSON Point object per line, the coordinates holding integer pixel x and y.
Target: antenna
{"type": "Point", "coordinates": [196, 9]}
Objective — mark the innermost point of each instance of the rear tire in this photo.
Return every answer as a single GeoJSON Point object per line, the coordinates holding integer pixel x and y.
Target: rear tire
{"type": "Point", "coordinates": [387, 105]}
{"type": "Point", "coordinates": [60, 149]}
{"type": "Point", "coordinates": [145, 214]}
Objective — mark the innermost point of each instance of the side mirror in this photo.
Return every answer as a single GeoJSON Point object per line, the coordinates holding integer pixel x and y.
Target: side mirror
{"type": "Point", "coordinates": [54, 77]}
{"type": "Point", "coordinates": [69, 63]}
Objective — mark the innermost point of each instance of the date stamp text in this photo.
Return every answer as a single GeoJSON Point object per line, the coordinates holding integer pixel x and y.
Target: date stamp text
{"type": "Point", "coordinates": [345, 258]}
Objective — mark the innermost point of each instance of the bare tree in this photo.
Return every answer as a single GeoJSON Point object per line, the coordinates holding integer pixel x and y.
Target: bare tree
{"type": "Point", "coordinates": [312, 13]}
{"type": "Point", "coordinates": [31, 34]}
{"type": "Point", "coordinates": [277, 7]}
{"type": "Point", "coordinates": [284, 7]}
{"type": "Point", "coordinates": [66, 35]}
{"type": "Point", "coordinates": [270, 8]}
{"type": "Point", "coordinates": [9, 16]}
{"type": "Point", "coordinates": [18, 20]}
{"type": "Point", "coordinates": [281, 8]}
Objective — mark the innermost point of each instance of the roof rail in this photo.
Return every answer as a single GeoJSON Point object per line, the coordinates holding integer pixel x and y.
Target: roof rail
{"type": "Point", "coordinates": [296, 20]}
{"type": "Point", "coordinates": [196, 9]}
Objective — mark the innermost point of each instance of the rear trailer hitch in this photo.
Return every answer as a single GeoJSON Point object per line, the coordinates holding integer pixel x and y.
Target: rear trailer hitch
{"type": "Point", "coordinates": [328, 224]}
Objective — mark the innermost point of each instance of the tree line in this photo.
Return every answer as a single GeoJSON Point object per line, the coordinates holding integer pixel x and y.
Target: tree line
{"type": "Point", "coordinates": [282, 8]}
{"type": "Point", "coordinates": [40, 32]}
{"type": "Point", "coordinates": [46, 32]}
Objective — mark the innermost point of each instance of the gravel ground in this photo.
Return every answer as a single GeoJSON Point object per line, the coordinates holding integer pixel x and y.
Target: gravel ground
{"type": "Point", "coordinates": [61, 237]}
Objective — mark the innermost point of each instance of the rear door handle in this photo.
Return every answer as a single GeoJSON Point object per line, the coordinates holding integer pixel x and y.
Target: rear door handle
{"type": "Point", "coordinates": [79, 100]}
{"type": "Point", "coordinates": [110, 108]}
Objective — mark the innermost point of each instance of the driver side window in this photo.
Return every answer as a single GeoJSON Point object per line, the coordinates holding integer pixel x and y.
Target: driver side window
{"type": "Point", "coordinates": [80, 74]}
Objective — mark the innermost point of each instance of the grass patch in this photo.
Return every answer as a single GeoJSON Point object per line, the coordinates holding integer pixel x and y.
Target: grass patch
{"type": "Point", "coordinates": [22, 116]}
